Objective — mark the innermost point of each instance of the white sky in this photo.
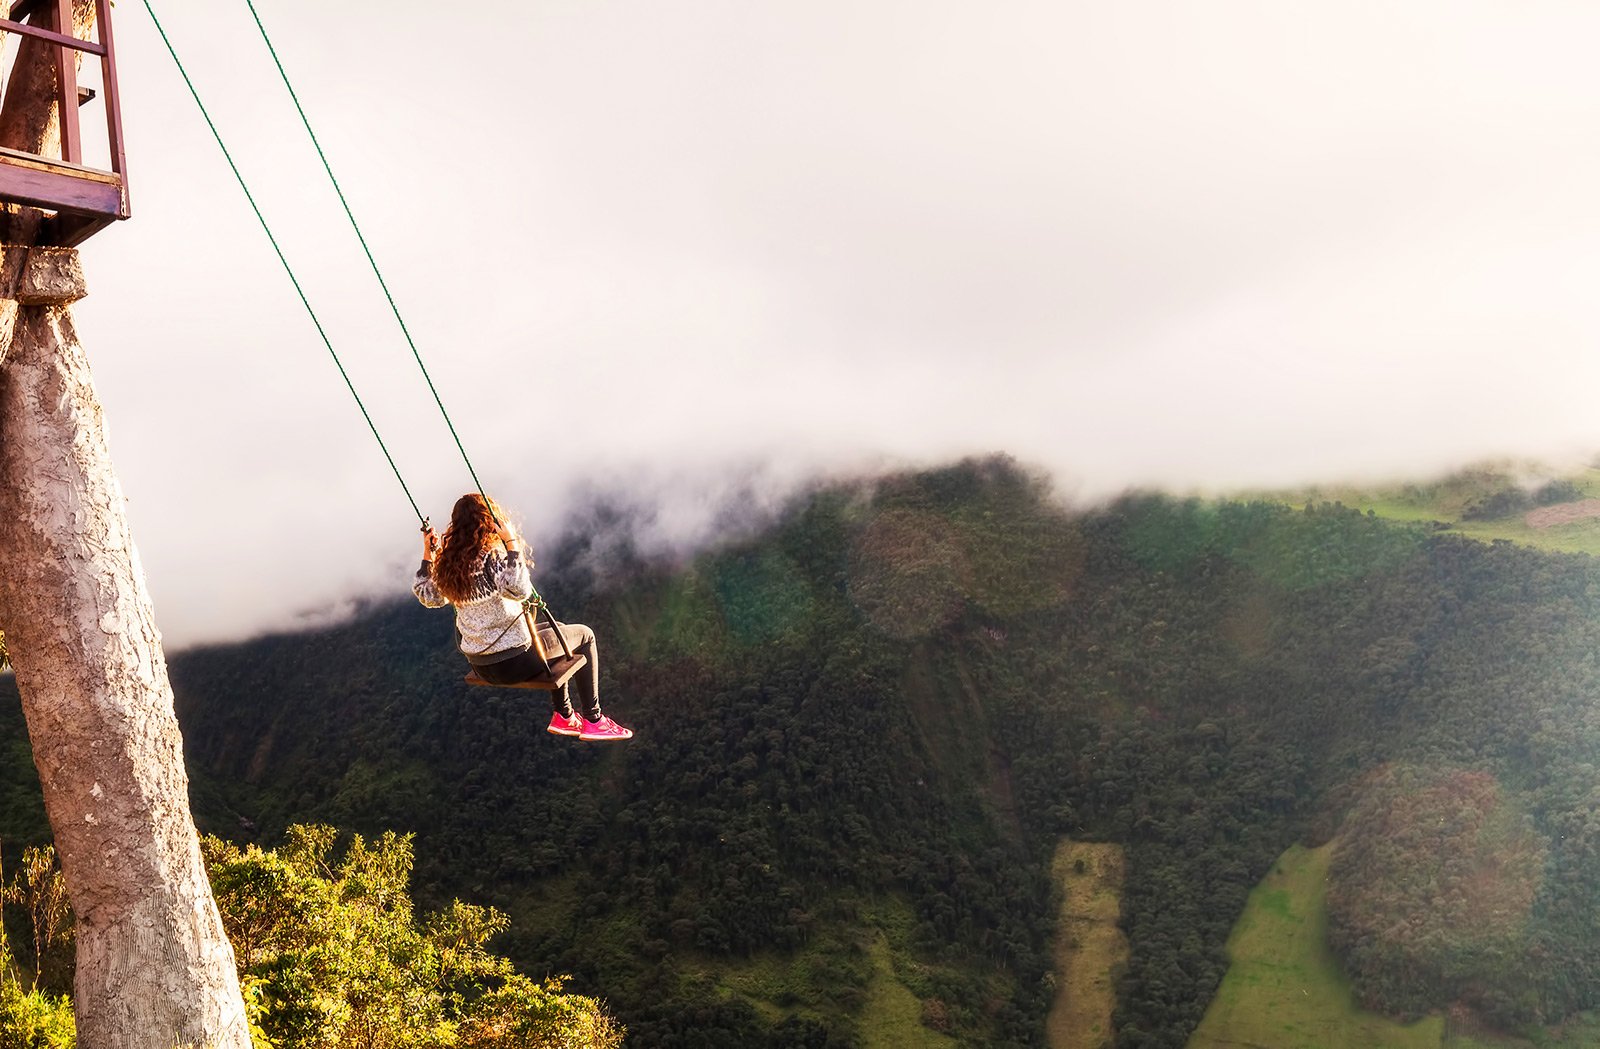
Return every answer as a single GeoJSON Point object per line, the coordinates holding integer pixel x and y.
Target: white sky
{"type": "Point", "coordinates": [1191, 245]}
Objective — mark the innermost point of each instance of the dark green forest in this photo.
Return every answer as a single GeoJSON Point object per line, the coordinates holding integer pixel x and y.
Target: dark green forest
{"type": "Point", "coordinates": [900, 694]}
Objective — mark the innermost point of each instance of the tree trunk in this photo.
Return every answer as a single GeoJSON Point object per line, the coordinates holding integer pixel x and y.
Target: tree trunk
{"type": "Point", "coordinates": [154, 968]}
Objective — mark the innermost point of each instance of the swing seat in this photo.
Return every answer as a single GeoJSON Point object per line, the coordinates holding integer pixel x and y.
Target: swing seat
{"type": "Point", "coordinates": [561, 670]}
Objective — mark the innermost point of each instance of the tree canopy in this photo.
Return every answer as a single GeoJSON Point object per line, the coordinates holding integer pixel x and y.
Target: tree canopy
{"type": "Point", "coordinates": [330, 953]}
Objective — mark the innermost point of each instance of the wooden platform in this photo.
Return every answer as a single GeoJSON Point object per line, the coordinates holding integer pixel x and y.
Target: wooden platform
{"type": "Point", "coordinates": [83, 199]}
{"type": "Point", "coordinates": [561, 670]}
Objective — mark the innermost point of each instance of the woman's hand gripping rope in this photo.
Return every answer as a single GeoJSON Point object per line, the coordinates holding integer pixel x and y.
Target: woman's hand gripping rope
{"type": "Point", "coordinates": [430, 542]}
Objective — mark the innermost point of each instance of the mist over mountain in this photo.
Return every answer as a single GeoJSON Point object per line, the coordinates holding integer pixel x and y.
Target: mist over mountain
{"type": "Point", "coordinates": [865, 725]}
{"type": "Point", "coordinates": [1185, 251]}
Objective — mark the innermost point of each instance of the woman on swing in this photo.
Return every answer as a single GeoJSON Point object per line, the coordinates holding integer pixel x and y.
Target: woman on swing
{"type": "Point", "coordinates": [481, 570]}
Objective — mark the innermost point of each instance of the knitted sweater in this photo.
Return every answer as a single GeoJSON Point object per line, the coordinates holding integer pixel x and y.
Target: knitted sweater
{"type": "Point", "coordinates": [489, 621]}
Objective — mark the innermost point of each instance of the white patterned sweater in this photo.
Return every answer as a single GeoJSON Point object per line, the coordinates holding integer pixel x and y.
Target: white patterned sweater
{"type": "Point", "coordinates": [489, 621]}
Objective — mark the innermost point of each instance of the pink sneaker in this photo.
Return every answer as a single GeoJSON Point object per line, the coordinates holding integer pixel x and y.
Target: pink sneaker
{"type": "Point", "coordinates": [605, 728]}
{"type": "Point", "coordinates": [565, 726]}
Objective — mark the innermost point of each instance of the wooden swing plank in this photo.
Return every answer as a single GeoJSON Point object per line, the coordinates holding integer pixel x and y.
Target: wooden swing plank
{"type": "Point", "coordinates": [561, 669]}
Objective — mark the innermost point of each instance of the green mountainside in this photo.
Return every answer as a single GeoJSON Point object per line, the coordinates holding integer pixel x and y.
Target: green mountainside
{"type": "Point", "coordinates": [863, 732]}
{"type": "Point", "coordinates": [1523, 502]}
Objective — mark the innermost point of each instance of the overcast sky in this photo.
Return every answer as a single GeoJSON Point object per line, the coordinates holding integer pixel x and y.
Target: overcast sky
{"type": "Point", "coordinates": [669, 247]}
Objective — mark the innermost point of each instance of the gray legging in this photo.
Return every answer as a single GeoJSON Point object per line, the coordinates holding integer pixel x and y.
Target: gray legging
{"type": "Point", "coordinates": [525, 666]}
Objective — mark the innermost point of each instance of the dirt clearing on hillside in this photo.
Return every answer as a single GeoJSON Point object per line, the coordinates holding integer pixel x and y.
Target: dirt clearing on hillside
{"type": "Point", "coordinates": [1090, 949]}
{"type": "Point", "coordinates": [1562, 513]}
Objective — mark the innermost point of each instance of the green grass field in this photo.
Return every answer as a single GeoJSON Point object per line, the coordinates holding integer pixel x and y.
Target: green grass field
{"type": "Point", "coordinates": [1090, 948]}
{"type": "Point", "coordinates": [892, 1018]}
{"type": "Point", "coordinates": [1284, 989]}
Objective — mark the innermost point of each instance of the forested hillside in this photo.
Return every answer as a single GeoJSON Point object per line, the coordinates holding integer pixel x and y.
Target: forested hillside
{"type": "Point", "coordinates": [866, 728]}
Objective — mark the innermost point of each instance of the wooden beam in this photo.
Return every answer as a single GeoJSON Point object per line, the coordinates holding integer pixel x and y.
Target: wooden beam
{"type": "Point", "coordinates": [67, 88]}
{"type": "Point", "coordinates": [31, 160]}
{"type": "Point", "coordinates": [108, 81]}
{"type": "Point", "coordinates": [56, 191]}
{"type": "Point", "coordinates": [67, 230]}
{"type": "Point", "coordinates": [50, 35]}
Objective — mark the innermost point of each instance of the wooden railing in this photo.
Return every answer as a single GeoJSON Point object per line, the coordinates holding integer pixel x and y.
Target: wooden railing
{"type": "Point", "coordinates": [85, 199]}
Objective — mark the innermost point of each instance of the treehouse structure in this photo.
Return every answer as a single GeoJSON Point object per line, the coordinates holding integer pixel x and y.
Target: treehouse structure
{"type": "Point", "coordinates": [82, 199]}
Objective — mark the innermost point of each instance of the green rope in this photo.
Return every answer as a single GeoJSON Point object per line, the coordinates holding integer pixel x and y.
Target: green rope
{"type": "Point", "coordinates": [376, 272]}
{"type": "Point", "coordinates": [286, 267]}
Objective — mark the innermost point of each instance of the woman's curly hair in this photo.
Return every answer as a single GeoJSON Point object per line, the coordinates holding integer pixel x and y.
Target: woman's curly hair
{"type": "Point", "coordinates": [472, 531]}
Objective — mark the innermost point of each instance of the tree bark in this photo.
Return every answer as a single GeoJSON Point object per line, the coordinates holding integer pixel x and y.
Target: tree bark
{"type": "Point", "coordinates": [154, 968]}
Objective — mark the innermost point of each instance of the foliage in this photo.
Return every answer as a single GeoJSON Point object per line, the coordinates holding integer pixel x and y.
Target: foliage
{"type": "Point", "coordinates": [1560, 490]}
{"type": "Point", "coordinates": [40, 894]}
{"type": "Point", "coordinates": [22, 816]}
{"type": "Point", "coordinates": [1515, 499]}
{"type": "Point", "coordinates": [524, 1014]}
{"type": "Point", "coordinates": [1432, 891]}
{"type": "Point", "coordinates": [31, 1018]}
{"type": "Point", "coordinates": [331, 954]}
